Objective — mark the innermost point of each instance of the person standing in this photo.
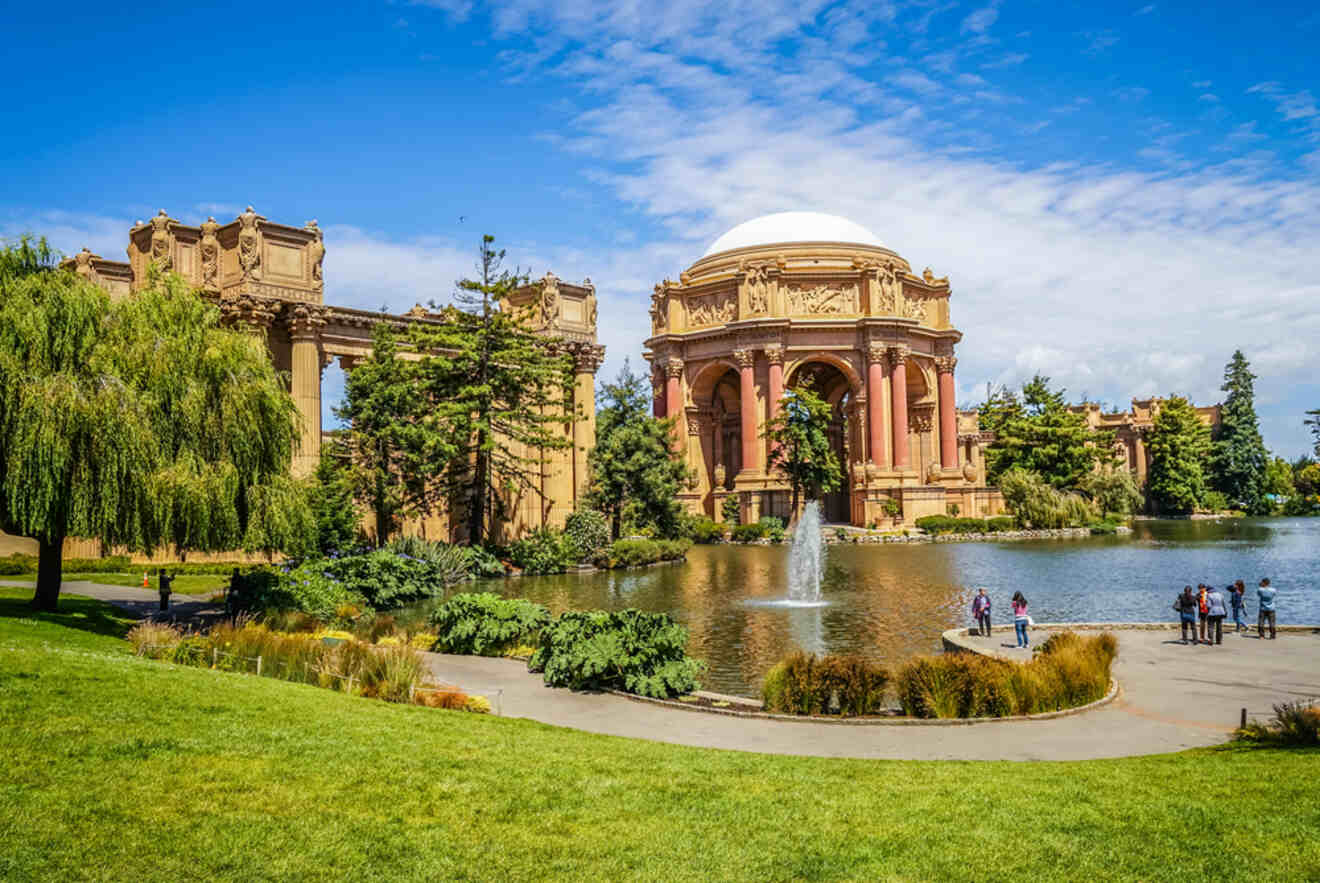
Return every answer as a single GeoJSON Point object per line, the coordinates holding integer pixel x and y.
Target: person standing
{"type": "Point", "coordinates": [981, 612]}
{"type": "Point", "coordinates": [1265, 599]}
{"type": "Point", "coordinates": [1236, 597]}
{"type": "Point", "coordinates": [1020, 619]}
{"type": "Point", "coordinates": [164, 579]}
{"type": "Point", "coordinates": [1185, 604]}
{"type": "Point", "coordinates": [1202, 607]}
{"type": "Point", "coordinates": [1217, 611]}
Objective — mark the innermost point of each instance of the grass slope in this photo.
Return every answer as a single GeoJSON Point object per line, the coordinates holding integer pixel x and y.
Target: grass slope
{"type": "Point", "coordinates": [120, 768]}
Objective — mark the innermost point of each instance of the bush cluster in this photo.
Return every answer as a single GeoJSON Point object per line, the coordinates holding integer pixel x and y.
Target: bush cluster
{"type": "Point", "coordinates": [636, 551]}
{"type": "Point", "coordinates": [769, 527]}
{"type": "Point", "coordinates": [630, 650]}
{"type": "Point", "coordinates": [845, 685]}
{"type": "Point", "coordinates": [1294, 724]}
{"type": "Point", "coordinates": [588, 533]}
{"type": "Point", "coordinates": [484, 624]}
{"type": "Point", "coordinates": [948, 524]}
{"type": "Point", "coordinates": [704, 530]}
{"type": "Point", "coordinates": [544, 550]}
{"type": "Point", "coordinates": [1067, 670]}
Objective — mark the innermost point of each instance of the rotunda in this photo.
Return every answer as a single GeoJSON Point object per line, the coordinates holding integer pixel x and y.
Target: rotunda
{"type": "Point", "coordinates": [797, 295]}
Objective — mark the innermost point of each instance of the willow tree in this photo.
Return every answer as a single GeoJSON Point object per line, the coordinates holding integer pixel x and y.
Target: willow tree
{"type": "Point", "coordinates": [139, 423]}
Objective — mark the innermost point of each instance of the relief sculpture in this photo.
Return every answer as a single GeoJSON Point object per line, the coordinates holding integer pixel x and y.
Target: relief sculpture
{"type": "Point", "coordinates": [711, 309]}
{"type": "Point", "coordinates": [160, 241]}
{"type": "Point", "coordinates": [915, 308]}
{"type": "Point", "coordinates": [757, 280]}
{"type": "Point", "coordinates": [886, 288]}
{"type": "Point", "coordinates": [822, 299]}
{"type": "Point", "coordinates": [210, 250]}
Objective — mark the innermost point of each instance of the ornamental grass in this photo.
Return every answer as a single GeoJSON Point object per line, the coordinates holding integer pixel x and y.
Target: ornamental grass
{"type": "Point", "coordinates": [1068, 670]}
{"type": "Point", "coordinates": [806, 684]}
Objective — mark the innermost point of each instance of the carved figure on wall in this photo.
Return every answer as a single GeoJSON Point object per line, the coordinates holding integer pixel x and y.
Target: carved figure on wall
{"type": "Point", "coordinates": [550, 300]}
{"type": "Point", "coordinates": [210, 251]}
{"type": "Point", "coordinates": [249, 244]}
{"type": "Point", "coordinates": [659, 310]}
{"type": "Point", "coordinates": [589, 307]}
{"type": "Point", "coordinates": [160, 241]}
{"type": "Point", "coordinates": [757, 279]}
{"type": "Point", "coordinates": [822, 299]}
{"type": "Point", "coordinates": [82, 264]}
{"type": "Point", "coordinates": [915, 308]}
{"type": "Point", "coordinates": [711, 309]}
{"type": "Point", "coordinates": [886, 283]}
{"type": "Point", "coordinates": [316, 252]}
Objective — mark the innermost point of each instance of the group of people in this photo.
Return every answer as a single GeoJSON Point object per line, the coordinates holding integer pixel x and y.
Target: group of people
{"type": "Point", "coordinates": [1021, 621]}
{"type": "Point", "coordinates": [1202, 613]}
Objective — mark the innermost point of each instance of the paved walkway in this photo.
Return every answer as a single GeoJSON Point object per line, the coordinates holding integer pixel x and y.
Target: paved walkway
{"type": "Point", "coordinates": [141, 603]}
{"type": "Point", "coordinates": [1174, 696]}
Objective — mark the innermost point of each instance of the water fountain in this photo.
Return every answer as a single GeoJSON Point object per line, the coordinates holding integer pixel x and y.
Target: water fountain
{"type": "Point", "coordinates": [806, 558]}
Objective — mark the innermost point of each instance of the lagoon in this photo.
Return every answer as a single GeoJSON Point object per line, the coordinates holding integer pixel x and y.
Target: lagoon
{"type": "Point", "coordinates": [889, 602]}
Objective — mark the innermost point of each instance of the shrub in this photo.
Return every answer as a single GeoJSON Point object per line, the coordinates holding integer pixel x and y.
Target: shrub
{"type": "Point", "coordinates": [307, 588]}
{"type": "Point", "coordinates": [484, 624]}
{"type": "Point", "coordinates": [483, 562]}
{"type": "Point", "coordinates": [805, 684]}
{"type": "Point", "coordinates": [154, 640]}
{"type": "Point", "coordinates": [1039, 505]}
{"type": "Point", "coordinates": [774, 528]}
{"type": "Point", "coordinates": [444, 697]}
{"type": "Point", "coordinates": [1113, 490]}
{"type": "Point", "coordinates": [544, 550]}
{"type": "Point", "coordinates": [749, 533]}
{"type": "Point", "coordinates": [406, 570]}
{"type": "Point", "coordinates": [731, 509]}
{"type": "Point", "coordinates": [1215, 501]}
{"type": "Point", "coordinates": [1000, 523]}
{"type": "Point", "coordinates": [1066, 671]}
{"type": "Point", "coordinates": [588, 532]}
{"type": "Point", "coordinates": [704, 530]}
{"type": "Point", "coordinates": [935, 523]}
{"type": "Point", "coordinates": [630, 650]}
{"type": "Point", "coordinates": [892, 508]}
{"type": "Point", "coordinates": [635, 552]}
{"type": "Point", "coordinates": [1294, 724]}
{"type": "Point", "coordinates": [477, 705]}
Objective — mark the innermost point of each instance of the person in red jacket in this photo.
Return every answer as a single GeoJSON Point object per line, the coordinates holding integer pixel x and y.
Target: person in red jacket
{"type": "Point", "coordinates": [1202, 608]}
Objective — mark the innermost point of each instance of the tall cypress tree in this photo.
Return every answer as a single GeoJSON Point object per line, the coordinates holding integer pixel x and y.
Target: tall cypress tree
{"type": "Point", "coordinates": [140, 423]}
{"type": "Point", "coordinates": [1239, 457]}
{"type": "Point", "coordinates": [1179, 444]}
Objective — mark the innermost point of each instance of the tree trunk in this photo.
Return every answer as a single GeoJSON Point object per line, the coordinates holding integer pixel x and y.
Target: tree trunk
{"type": "Point", "coordinates": [477, 512]}
{"type": "Point", "coordinates": [50, 564]}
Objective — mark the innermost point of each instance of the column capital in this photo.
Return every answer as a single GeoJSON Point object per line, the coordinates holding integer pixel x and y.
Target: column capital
{"type": "Point", "coordinates": [673, 368]}
{"type": "Point", "coordinates": [745, 358]}
{"type": "Point", "coordinates": [774, 354]}
{"type": "Point", "coordinates": [898, 354]}
{"type": "Point", "coordinates": [945, 364]}
{"type": "Point", "coordinates": [695, 421]}
{"type": "Point", "coordinates": [247, 309]}
{"type": "Point", "coordinates": [875, 352]}
{"type": "Point", "coordinates": [305, 322]}
{"type": "Point", "coordinates": [587, 357]}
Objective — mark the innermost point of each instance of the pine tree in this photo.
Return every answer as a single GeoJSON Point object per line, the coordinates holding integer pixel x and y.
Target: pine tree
{"type": "Point", "coordinates": [332, 498]}
{"type": "Point", "coordinates": [1039, 434]}
{"type": "Point", "coordinates": [1179, 444]}
{"type": "Point", "coordinates": [635, 471]}
{"type": "Point", "coordinates": [800, 445]}
{"type": "Point", "coordinates": [1239, 458]}
{"type": "Point", "coordinates": [495, 397]}
{"type": "Point", "coordinates": [140, 423]}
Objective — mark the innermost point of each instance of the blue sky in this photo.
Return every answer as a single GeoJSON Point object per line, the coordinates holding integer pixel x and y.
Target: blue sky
{"type": "Point", "coordinates": [1121, 193]}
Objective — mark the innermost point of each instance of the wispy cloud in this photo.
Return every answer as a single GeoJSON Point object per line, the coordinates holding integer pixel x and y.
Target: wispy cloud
{"type": "Point", "coordinates": [980, 21]}
{"type": "Point", "coordinates": [1146, 10]}
{"type": "Point", "coordinates": [1099, 41]}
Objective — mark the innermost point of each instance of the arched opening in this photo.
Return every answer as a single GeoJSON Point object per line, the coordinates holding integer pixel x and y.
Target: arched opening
{"type": "Point", "coordinates": [830, 383]}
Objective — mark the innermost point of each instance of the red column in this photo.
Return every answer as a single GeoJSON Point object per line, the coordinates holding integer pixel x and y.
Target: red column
{"type": "Point", "coordinates": [657, 390]}
{"type": "Point", "coordinates": [898, 396]}
{"type": "Point", "coordinates": [875, 405]}
{"type": "Point", "coordinates": [674, 397]}
{"type": "Point", "coordinates": [775, 355]}
{"type": "Point", "coordinates": [747, 409]}
{"type": "Point", "coordinates": [948, 417]}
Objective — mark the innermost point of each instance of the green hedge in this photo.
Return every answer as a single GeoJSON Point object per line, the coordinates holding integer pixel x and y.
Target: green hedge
{"type": "Point", "coordinates": [484, 624]}
{"type": "Point", "coordinates": [749, 533]}
{"type": "Point", "coordinates": [704, 530]}
{"type": "Point", "coordinates": [630, 650]}
{"type": "Point", "coordinates": [949, 524]}
{"type": "Point", "coordinates": [637, 551]}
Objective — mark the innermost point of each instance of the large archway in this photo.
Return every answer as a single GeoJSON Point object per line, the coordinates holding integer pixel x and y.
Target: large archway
{"type": "Point", "coordinates": [829, 382]}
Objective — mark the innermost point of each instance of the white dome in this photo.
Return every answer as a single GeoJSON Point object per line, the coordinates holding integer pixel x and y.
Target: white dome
{"type": "Point", "coordinates": [793, 227]}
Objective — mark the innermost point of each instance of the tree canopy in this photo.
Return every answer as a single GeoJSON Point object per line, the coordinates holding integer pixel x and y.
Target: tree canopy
{"type": "Point", "coordinates": [1238, 457]}
{"type": "Point", "coordinates": [800, 444]}
{"type": "Point", "coordinates": [140, 423]}
{"type": "Point", "coordinates": [1036, 432]}
{"type": "Point", "coordinates": [636, 474]}
{"type": "Point", "coordinates": [1179, 444]}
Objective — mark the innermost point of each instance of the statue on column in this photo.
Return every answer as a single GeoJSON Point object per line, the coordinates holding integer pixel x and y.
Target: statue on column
{"type": "Point", "coordinates": [316, 251]}
{"type": "Point", "coordinates": [82, 264]}
{"type": "Point", "coordinates": [161, 241]}
{"type": "Point", "coordinates": [210, 252]}
{"type": "Point", "coordinates": [249, 244]}
{"type": "Point", "coordinates": [589, 306]}
{"type": "Point", "coordinates": [549, 300]}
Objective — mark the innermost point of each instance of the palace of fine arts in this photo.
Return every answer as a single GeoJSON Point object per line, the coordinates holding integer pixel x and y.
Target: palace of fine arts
{"type": "Point", "coordinates": [847, 442]}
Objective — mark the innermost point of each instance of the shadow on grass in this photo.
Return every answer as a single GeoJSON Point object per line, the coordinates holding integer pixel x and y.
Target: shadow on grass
{"type": "Point", "coordinates": [84, 614]}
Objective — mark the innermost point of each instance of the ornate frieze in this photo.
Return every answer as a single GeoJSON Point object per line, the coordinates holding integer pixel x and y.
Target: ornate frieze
{"type": "Point", "coordinates": [715, 308]}
{"type": "Point", "coordinates": [824, 299]}
{"type": "Point", "coordinates": [914, 307]}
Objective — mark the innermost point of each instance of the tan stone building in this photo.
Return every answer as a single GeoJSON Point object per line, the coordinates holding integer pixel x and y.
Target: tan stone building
{"type": "Point", "coordinates": [795, 295]}
{"type": "Point", "coordinates": [269, 276]}
{"type": "Point", "coordinates": [1130, 428]}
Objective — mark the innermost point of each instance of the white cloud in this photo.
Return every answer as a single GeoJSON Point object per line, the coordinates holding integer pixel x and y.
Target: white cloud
{"type": "Point", "coordinates": [1146, 10]}
{"type": "Point", "coordinates": [980, 21]}
{"type": "Point", "coordinates": [1009, 60]}
{"type": "Point", "coordinates": [1099, 41]}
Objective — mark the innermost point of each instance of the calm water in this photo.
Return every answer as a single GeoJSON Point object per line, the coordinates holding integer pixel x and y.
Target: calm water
{"type": "Point", "coordinates": [889, 602]}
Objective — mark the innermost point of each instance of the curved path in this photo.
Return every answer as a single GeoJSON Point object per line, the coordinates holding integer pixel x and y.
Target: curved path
{"type": "Point", "coordinates": [1173, 697]}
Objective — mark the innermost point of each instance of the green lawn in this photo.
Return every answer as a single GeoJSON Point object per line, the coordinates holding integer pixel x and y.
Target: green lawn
{"type": "Point", "coordinates": [120, 768]}
{"type": "Point", "coordinates": [202, 584]}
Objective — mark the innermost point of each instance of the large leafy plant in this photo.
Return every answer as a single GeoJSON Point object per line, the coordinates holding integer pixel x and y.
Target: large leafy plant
{"type": "Point", "coordinates": [484, 624]}
{"type": "Point", "coordinates": [630, 650]}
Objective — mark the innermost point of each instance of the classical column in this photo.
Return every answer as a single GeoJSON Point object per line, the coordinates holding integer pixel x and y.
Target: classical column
{"type": "Point", "coordinates": [746, 359]}
{"type": "Point", "coordinates": [674, 398]}
{"type": "Point", "coordinates": [898, 356]}
{"type": "Point", "coordinates": [696, 460]}
{"type": "Point", "coordinates": [774, 354]}
{"type": "Point", "coordinates": [305, 324]}
{"type": "Point", "coordinates": [586, 361]}
{"type": "Point", "coordinates": [875, 404]}
{"type": "Point", "coordinates": [948, 416]}
{"type": "Point", "coordinates": [657, 390]}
